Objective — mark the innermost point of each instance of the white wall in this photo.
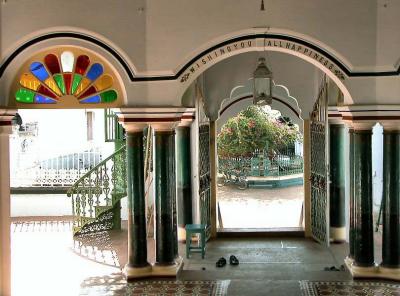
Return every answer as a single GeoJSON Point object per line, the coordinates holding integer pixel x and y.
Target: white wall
{"type": "Point", "coordinates": [65, 131]}
{"type": "Point", "coordinates": [159, 37]}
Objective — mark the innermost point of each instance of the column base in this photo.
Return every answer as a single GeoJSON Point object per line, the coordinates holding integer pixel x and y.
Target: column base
{"type": "Point", "coordinates": [137, 272]}
{"type": "Point", "coordinates": [348, 261]}
{"type": "Point", "coordinates": [389, 273]}
{"type": "Point", "coordinates": [170, 270]}
{"type": "Point", "coordinates": [372, 272]}
{"type": "Point", "coordinates": [363, 272]}
{"type": "Point", "coordinates": [338, 234]}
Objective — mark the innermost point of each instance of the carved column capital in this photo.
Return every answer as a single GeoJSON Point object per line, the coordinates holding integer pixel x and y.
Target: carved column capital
{"type": "Point", "coordinates": [161, 119]}
{"type": "Point", "coordinates": [6, 115]}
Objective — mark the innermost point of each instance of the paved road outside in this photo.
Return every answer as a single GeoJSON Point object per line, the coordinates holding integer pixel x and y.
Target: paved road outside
{"type": "Point", "coordinates": [260, 208]}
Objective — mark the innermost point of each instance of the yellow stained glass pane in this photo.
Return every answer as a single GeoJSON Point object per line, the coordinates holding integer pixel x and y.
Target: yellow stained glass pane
{"type": "Point", "coordinates": [82, 86]}
{"type": "Point", "coordinates": [53, 86]}
{"type": "Point", "coordinates": [29, 81]}
{"type": "Point", "coordinates": [104, 82]}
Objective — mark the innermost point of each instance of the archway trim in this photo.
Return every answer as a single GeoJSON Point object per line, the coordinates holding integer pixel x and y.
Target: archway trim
{"type": "Point", "coordinates": [250, 97]}
{"type": "Point", "coordinates": [271, 41]}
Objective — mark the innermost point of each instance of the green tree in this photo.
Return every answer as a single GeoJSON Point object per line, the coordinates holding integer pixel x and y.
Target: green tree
{"type": "Point", "coordinates": [252, 129]}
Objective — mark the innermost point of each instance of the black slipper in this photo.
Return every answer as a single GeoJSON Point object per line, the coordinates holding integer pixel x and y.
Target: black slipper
{"type": "Point", "coordinates": [221, 262]}
{"type": "Point", "coordinates": [233, 260]}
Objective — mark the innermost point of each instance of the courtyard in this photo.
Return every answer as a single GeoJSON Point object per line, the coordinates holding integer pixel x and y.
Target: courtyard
{"type": "Point", "coordinates": [261, 207]}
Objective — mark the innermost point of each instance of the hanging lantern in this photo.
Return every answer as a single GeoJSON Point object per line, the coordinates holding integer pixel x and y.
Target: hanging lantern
{"type": "Point", "coordinates": [262, 79]}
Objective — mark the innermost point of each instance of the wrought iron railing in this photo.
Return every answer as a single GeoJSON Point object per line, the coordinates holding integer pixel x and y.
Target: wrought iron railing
{"type": "Point", "coordinates": [260, 163]}
{"type": "Point", "coordinates": [95, 194]}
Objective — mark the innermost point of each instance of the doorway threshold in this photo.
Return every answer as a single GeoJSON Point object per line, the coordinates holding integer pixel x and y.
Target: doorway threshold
{"type": "Point", "coordinates": [261, 232]}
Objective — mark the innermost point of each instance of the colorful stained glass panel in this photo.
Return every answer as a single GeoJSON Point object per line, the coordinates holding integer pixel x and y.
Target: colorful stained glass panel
{"type": "Point", "coordinates": [44, 100]}
{"type": "Point", "coordinates": [104, 82]}
{"type": "Point", "coordinates": [68, 82]}
{"type": "Point", "coordinates": [58, 75]}
{"type": "Point", "coordinates": [44, 91]}
{"type": "Point", "coordinates": [29, 81]}
{"type": "Point", "coordinates": [75, 82]}
{"type": "Point", "coordinates": [52, 64]}
{"type": "Point", "coordinates": [82, 86]}
{"type": "Point", "coordinates": [67, 61]}
{"type": "Point", "coordinates": [82, 63]}
{"type": "Point", "coordinates": [93, 99]}
{"type": "Point", "coordinates": [108, 96]}
{"type": "Point", "coordinates": [95, 71]}
{"type": "Point", "coordinates": [58, 78]}
{"type": "Point", "coordinates": [53, 86]}
{"type": "Point", "coordinates": [24, 95]}
{"type": "Point", "coordinates": [90, 91]}
{"type": "Point", "coordinates": [39, 71]}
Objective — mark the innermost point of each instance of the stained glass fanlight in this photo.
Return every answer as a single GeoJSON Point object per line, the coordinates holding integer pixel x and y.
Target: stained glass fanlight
{"type": "Point", "coordinates": [48, 81]}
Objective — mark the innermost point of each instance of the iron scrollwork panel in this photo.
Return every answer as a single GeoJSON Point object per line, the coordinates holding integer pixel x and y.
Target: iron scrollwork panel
{"type": "Point", "coordinates": [318, 180]}
{"type": "Point", "coordinates": [205, 178]}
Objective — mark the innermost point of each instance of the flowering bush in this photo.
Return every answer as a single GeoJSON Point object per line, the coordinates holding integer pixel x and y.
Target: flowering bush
{"type": "Point", "coordinates": [252, 129]}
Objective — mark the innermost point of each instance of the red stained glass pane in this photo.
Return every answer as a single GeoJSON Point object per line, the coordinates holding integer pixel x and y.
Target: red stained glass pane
{"type": "Point", "coordinates": [68, 82]}
{"type": "Point", "coordinates": [82, 63]}
{"type": "Point", "coordinates": [90, 91]}
{"type": "Point", "coordinates": [52, 64]}
{"type": "Point", "coordinates": [46, 92]}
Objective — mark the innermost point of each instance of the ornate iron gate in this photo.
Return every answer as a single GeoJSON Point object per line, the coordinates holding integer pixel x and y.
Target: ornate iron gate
{"type": "Point", "coordinates": [205, 179]}
{"type": "Point", "coordinates": [319, 167]}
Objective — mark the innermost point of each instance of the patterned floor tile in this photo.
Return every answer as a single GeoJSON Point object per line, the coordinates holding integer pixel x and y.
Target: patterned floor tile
{"type": "Point", "coordinates": [117, 285]}
{"type": "Point", "coordinates": [351, 288]}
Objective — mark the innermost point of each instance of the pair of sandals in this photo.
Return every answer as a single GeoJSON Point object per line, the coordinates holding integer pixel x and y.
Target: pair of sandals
{"type": "Point", "coordinates": [222, 261]}
{"type": "Point", "coordinates": [334, 268]}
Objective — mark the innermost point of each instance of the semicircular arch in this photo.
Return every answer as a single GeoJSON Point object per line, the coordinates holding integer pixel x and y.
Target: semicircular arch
{"type": "Point", "coordinates": [260, 41]}
{"type": "Point", "coordinates": [66, 76]}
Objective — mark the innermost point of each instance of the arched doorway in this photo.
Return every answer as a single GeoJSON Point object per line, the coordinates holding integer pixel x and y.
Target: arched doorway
{"type": "Point", "coordinates": [75, 85]}
{"type": "Point", "coordinates": [260, 169]}
{"type": "Point", "coordinates": [224, 56]}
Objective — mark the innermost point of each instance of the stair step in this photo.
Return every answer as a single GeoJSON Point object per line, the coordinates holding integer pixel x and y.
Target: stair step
{"type": "Point", "coordinates": [101, 209]}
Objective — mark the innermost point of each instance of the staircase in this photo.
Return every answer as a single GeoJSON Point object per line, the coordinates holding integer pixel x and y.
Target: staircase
{"type": "Point", "coordinates": [95, 195]}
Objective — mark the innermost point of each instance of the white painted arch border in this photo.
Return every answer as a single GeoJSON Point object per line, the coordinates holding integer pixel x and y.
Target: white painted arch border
{"type": "Point", "coordinates": [250, 41]}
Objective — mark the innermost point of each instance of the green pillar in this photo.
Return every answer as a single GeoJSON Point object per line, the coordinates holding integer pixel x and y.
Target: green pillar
{"type": "Point", "coordinates": [183, 176]}
{"type": "Point", "coordinates": [391, 199]}
{"type": "Point", "coordinates": [363, 223]}
{"type": "Point", "coordinates": [337, 186]}
{"type": "Point", "coordinates": [352, 207]}
{"type": "Point", "coordinates": [137, 239]}
{"type": "Point", "coordinates": [165, 195]}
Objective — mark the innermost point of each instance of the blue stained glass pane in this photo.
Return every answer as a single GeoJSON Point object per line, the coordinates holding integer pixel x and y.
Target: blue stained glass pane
{"type": "Point", "coordinates": [43, 100]}
{"type": "Point", "coordinates": [95, 71]}
{"type": "Point", "coordinates": [93, 99]}
{"type": "Point", "coordinates": [39, 71]}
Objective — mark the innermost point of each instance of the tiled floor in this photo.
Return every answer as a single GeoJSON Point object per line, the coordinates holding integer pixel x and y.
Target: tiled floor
{"type": "Point", "coordinates": [45, 261]}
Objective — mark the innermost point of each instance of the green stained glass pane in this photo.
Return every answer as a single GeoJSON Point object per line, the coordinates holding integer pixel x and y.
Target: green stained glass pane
{"type": "Point", "coordinates": [60, 82]}
{"type": "Point", "coordinates": [75, 82]}
{"type": "Point", "coordinates": [108, 96]}
{"type": "Point", "coordinates": [24, 95]}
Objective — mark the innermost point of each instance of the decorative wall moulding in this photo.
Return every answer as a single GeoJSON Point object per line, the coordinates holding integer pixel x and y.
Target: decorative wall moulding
{"type": "Point", "coordinates": [249, 42]}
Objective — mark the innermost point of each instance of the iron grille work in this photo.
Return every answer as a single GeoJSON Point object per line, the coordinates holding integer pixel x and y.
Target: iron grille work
{"type": "Point", "coordinates": [205, 179]}
{"type": "Point", "coordinates": [318, 182]}
{"type": "Point", "coordinates": [114, 132]}
{"type": "Point", "coordinates": [95, 194]}
{"type": "Point", "coordinates": [319, 178]}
